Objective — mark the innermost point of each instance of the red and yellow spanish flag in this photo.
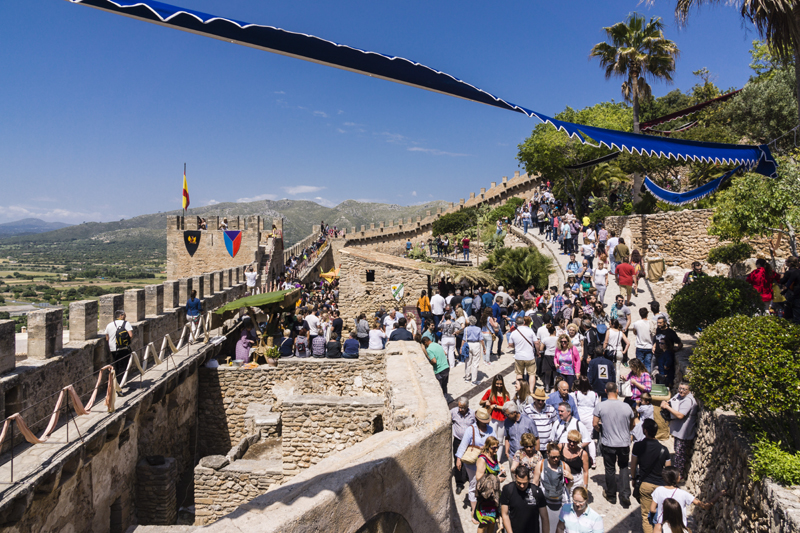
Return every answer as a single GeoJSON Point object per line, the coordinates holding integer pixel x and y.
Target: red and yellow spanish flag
{"type": "Point", "coordinates": [185, 190]}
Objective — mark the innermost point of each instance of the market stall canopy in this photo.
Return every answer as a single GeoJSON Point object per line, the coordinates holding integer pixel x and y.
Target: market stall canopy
{"type": "Point", "coordinates": [330, 276]}
{"type": "Point", "coordinates": [282, 299]}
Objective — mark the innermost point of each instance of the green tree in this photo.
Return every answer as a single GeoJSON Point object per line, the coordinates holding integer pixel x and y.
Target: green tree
{"type": "Point", "coordinates": [777, 21]}
{"type": "Point", "coordinates": [754, 205]}
{"type": "Point", "coordinates": [752, 365]}
{"type": "Point", "coordinates": [547, 151]}
{"type": "Point", "coordinates": [637, 51]}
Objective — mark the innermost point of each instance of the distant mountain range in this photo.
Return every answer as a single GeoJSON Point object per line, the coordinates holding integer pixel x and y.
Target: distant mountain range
{"type": "Point", "coordinates": [28, 226]}
{"type": "Point", "coordinates": [148, 233]}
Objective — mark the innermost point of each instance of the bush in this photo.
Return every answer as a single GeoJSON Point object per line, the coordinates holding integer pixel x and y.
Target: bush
{"type": "Point", "coordinates": [730, 254]}
{"type": "Point", "coordinates": [710, 298]}
{"type": "Point", "coordinates": [517, 267]}
{"type": "Point", "coordinates": [600, 214]}
{"type": "Point", "coordinates": [455, 222]}
{"type": "Point", "coordinates": [770, 460]}
{"type": "Point", "coordinates": [509, 209]}
{"type": "Point", "coordinates": [751, 365]}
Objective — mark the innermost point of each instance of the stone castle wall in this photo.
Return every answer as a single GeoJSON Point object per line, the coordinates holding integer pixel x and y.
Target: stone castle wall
{"type": "Point", "coordinates": [226, 392]}
{"type": "Point", "coordinates": [679, 237]}
{"type": "Point", "coordinates": [316, 426]}
{"type": "Point", "coordinates": [212, 254]}
{"type": "Point", "coordinates": [390, 236]}
{"type": "Point", "coordinates": [720, 461]}
{"type": "Point", "coordinates": [357, 295]}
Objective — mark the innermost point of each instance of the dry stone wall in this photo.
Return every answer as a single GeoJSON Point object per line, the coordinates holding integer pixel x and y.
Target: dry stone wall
{"type": "Point", "coordinates": [315, 426]}
{"type": "Point", "coordinates": [679, 237]}
{"type": "Point", "coordinates": [358, 295]}
{"type": "Point", "coordinates": [226, 392]}
{"type": "Point", "coordinates": [720, 461]}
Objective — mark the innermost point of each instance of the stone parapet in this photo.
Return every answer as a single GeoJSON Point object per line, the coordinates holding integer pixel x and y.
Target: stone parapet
{"type": "Point", "coordinates": [316, 426]}
{"type": "Point", "coordinates": [721, 461]}
{"type": "Point", "coordinates": [83, 316]}
{"type": "Point", "coordinates": [226, 392]}
{"type": "Point", "coordinates": [45, 333]}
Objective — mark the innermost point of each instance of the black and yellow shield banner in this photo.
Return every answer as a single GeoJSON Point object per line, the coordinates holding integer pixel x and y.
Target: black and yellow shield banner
{"type": "Point", "coordinates": [192, 240]}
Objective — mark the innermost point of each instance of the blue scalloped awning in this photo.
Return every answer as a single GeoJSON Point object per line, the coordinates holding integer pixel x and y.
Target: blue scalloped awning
{"type": "Point", "coordinates": [401, 70]}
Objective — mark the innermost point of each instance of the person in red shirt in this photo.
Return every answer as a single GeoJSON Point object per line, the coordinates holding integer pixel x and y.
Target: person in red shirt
{"type": "Point", "coordinates": [493, 402]}
{"type": "Point", "coordinates": [762, 279]}
{"type": "Point", "coordinates": [625, 274]}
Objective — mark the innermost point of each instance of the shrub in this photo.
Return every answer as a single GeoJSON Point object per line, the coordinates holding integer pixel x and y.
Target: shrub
{"type": "Point", "coordinates": [455, 222]}
{"type": "Point", "coordinates": [770, 460]}
{"type": "Point", "coordinates": [730, 254]}
{"type": "Point", "coordinates": [600, 214]}
{"type": "Point", "coordinates": [508, 209]}
{"type": "Point", "coordinates": [709, 298]}
{"type": "Point", "coordinates": [751, 365]}
{"type": "Point", "coordinates": [517, 267]}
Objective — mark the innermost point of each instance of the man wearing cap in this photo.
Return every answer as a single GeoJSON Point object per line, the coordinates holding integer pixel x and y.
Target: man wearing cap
{"type": "Point", "coordinates": [475, 435]}
{"type": "Point", "coordinates": [516, 425]}
{"type": "Point", "coordinates": [473, 338]}
{"type": "Point", "coordinates": [542, 415]}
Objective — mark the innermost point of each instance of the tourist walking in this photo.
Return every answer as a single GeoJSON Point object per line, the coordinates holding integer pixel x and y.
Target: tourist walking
{"type": "Point", "coordinates": [587, 400]}
{"type": "Point", "coordinates": [644, 339]}
{"type": "Point", "coordinates": [524, 342]}
{"type": "Point", "coordinates": [119, 336]}
{"type": "Point", "coordinates": [549, 343]}
{"type": "Point", "coordinates": [567, 360]}
{"type": "Point", "coordinates": [528, 453]}
{"type": "Point", "coordinates": [461, 417]}
{"type": "Point", "coordinates": [683, 424]}
{"type": "Point", "coordinates": [194, 308]}
{"type": "Point", "coordinates": [522, 505]}
{"type": "Point", "coordinates": [575, 456]}
{"type": "Point", "coordinates": [613, 419]}
{"type": "Point", "coordinates": [448, 328]}
{"type": "Point", "coordinates": [544, 416]}
{"type": "Point", "coordinates": [578, 517]}
{"type": "Point", "coordinates": [474, 439]}
{"type": "Point", "coordinates": [673, 519]}
{"type": "Point", "coordinates": [488, 476]}
{"type": "Point", "coordinates": [437, 357]}
{"type": "Point", "coordinates": [552, 476]}
{"type": "Point", "coordinates": [493, 401]}
{"type": "Point", "coordinates": [640, 381]}
{"type": "Point", "coordinates": [473, 338]}
{"type": "Point", "coordinates": [515, 426]}
{"type": "Point", "coordinates": [625, 274]}
{"type": "Point", "coordinates": [669, 490]}
{"type": "Point", "coordinates": [651, 457]}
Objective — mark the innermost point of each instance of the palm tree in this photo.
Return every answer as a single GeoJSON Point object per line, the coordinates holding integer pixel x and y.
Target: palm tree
{"type": "Point", "coordinates": [637, 51]}
{"type": "Point", "coordinates": [777, 21]}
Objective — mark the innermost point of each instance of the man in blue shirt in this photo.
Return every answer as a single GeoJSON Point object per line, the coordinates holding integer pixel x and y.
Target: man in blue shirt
{"type": "Point", "coordinates": [466, 303]}
{"type": "Point", "coordinates": [561, 394]}
{"type": "Point", "coordinates": [488, 298]}
{"type": "Point", "coordinates": [573, 265]}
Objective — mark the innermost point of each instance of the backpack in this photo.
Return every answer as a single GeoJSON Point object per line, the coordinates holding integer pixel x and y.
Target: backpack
{"type": "Point", "coordinates": [300, 345]}
{"type": "Point", "coordinates": [122, 337]}
{"type": "Point", "coordinates": [488, 487]}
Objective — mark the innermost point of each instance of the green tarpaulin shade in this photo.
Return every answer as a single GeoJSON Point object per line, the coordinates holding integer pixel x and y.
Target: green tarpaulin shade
{"type": "Point", "coordinates": [260, 300]}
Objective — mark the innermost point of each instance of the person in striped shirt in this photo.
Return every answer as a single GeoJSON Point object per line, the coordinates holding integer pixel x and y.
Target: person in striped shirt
{"type": "Point", "coordinates": [543, 416]}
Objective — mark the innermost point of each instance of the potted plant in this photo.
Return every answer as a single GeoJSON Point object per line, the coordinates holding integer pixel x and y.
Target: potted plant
{"type": "Point", "coordinates": [272, 355]}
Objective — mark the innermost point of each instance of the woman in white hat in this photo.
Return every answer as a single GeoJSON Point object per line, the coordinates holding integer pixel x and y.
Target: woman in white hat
{"type": "Point", "coordinates": [474, 437]}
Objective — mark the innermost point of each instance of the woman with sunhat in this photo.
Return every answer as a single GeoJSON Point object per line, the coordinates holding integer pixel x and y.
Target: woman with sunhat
{"type": "Point", "coordinates": [474, 436]}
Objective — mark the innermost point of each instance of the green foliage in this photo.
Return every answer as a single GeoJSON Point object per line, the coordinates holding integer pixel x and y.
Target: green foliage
{"type": "Point", "coordinates": [416, 253]}
{"type": "Point", "coordinates": [517, 267]}
{"type": "Point", "coordinates": [600, 214]}
{"type": "Point", "coordinates": [455, 222]}
{"type": "Point", "coordinates": [770, 460]}
{"type": "Point", "coordinates": [730, 254]}
{"type": "Point", "coordinates": [754, 205]}
{"type": "Point", "coordinates": [710, 298]}
{"type": "Point", "coordinates": [765, 63]}
{"type": "Point", "coordinates": [508, 209]}
{"type": "Point", "coordinates": [646, 206]}
{"type": "Point", "coordinates": [494, 241]}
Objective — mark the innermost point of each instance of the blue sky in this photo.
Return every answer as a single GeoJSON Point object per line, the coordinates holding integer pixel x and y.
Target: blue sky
{"type": "Point", "coordinates": [99, 112]}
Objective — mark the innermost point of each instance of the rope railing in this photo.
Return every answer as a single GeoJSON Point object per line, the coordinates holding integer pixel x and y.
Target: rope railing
{"type": "Point", "coordinates": [190, 332]}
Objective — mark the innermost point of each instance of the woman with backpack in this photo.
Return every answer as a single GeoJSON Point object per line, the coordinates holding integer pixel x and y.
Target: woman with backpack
{"type": "Point", "coordinates": [487, 486]}
{"type": "Point", "coordinates": [301, 344]}
{"type": "Point", "coordinates": [552, 476]}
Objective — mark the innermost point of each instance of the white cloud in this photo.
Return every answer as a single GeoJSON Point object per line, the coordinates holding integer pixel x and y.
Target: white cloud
{"type": "Point", "coordinates": [340, 130]}
{"type": "Point", "coordinates": [324, 202]}
{"type": "Point", "coordinates": [16, 212]}
{"type": "Point", "coordinates": [257, 198]}
{"type": "Point", "coordinates": [413, 193]}
{"type": "Point", "coordinates": [340, 112]}
{"type": "Point", "coordinates": [212, 202]}
{"type": "Point", "coordinates": [302, 189]}
{"type": "Point", "coordinates": [322, 114]}
{"type": "Point", "coordinates": [433, 151]}
{"type": "Point", "coordinates": [394, 138]}
{"type": "Point", "coordinates": [279, 92]}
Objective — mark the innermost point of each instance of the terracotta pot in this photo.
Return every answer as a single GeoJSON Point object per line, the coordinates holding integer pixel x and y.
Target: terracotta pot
{"type": "Point", "coordinates": [272, 362]}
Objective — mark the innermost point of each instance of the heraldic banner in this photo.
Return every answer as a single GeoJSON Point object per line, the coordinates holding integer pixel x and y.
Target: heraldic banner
{"type": "Point", "coordinates": [192, 240]}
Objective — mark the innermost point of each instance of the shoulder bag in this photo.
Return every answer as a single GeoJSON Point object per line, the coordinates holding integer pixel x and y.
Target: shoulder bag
{"type": "Point", "coordinates": [637, 482]}
{"type": "Point", "coordinates": [470, 457]}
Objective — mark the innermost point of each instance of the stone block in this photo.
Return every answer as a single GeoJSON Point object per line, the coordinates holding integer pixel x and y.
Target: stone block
{"type": "Point", "coordinates": [171, 294]}
{"type": "Point", "coordinates": [186, 285]}
{"type": "Point", "coordinates": [219, 280]}
{"type": "Point", "coordinates": [228, 276]}
{"type": "Point", "coordinates": [208, 285]}
{"type": "Point", "coordinates": [197, 285]}
{"type": "Point", "coordinates": [135, 305]}
{"type": "Point", "coordinates": [109, 304]}
{"type": "Point", "coordinates": [83, 317]}
{"type": "Point", "coordinates": [154, 300]}
{"type": "Point", "coordinates": [7, 346]}
{"type": "Point", "coordinates": [45, 333]}
{"type": "Point", "coordinates": [215, 462]}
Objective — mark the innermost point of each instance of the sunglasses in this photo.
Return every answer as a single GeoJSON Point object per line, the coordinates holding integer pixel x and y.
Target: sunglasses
{"type": "Point", "coordinates": [574, 442]}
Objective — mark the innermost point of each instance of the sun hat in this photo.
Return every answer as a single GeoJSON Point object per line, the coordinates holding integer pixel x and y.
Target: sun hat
{"type": "Point", "coordinates": [539, 394]}
{"type": "Point", "coordinates": [482, 415]}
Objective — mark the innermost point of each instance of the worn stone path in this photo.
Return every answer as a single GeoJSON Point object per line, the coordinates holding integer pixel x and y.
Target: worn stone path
{"type": "Point", "coordinates": [616, 519]}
